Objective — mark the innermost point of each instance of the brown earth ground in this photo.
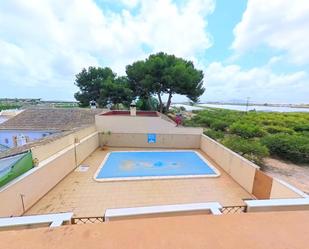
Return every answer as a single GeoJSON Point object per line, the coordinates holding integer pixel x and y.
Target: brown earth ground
{"type": "Point", "coordinates": [293, 174]}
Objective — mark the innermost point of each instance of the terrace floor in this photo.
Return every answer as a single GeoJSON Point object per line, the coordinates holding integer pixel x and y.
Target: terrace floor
{"type": "Point", "coordinates": [81, 194]}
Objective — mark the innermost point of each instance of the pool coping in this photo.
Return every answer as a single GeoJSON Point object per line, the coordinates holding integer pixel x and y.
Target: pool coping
{"type": "Point", "coordinates": [141, 178]}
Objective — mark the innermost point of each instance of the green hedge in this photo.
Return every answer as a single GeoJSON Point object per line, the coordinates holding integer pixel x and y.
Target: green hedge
{"type": "Point", "coordinates": [301, 127]}
{"type": "Point", "coordinates": [217, 135]}
{"type": "Point", "coordinates": [278, 129]}
{"type": "Point", "coordinates": [250, 149]}
{"type": "Point", "coordinates": [219, 125]}
{"type": "Point", "coordinates": [252, 127]}
{"type": "Point", "coordinates": [5, 106]}
{"type": "Point", "coordinates": [291, 147]}
{"type": "Point", "coordinates": [247, 130]}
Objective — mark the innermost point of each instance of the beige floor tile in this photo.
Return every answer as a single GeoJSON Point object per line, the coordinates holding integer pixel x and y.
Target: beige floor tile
{"type": "Point", "coordinates": [78, 192]}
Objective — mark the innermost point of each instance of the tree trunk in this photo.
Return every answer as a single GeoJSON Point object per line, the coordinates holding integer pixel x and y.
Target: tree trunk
{"type": "Point", "coordinates": [169, 101]}
{"type": "Point", "coordinates": [149, 103]}
{"type": "Point", "coordinates": [161, 104]}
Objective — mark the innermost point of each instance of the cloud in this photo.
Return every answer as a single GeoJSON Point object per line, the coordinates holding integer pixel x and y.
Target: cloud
{"type": "Point", "coordinates": [45, 43]}
{"type": "Point", "coordinates": [261, 84]}
{"type": "Point", "coordinates": [279, 24]}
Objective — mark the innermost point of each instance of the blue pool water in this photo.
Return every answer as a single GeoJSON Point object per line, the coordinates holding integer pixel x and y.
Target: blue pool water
{"type": "Point", "coordinates": [153, 164]}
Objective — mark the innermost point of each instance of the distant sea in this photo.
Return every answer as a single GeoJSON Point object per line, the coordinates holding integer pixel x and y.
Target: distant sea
{"type": "Point", "coordinates": [244, 108]}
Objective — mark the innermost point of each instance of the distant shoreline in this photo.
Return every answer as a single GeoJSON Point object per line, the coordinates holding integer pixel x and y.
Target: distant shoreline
{"type": "Point", "coordinates": [249, 104]}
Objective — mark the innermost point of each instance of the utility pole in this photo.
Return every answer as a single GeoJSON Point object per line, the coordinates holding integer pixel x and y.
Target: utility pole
{"type": "Point", "coordinates": [247, 105]}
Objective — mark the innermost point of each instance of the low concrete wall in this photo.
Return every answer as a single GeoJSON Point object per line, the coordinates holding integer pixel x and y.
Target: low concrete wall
{"type": "Point", "coordinates": [247, 174]}
{"type": "Point", "coordinates": [281, 189]}
{"type": "Point", "coordinates": [41, 152]}
{"type": "Point", "coordinates": [239, 168]}
{"type": "Point", "coordinates": [34, 184]}
{"type": "Point", "coordinates": [86, 146]}
{"type": "Point", "coordinates": [262, 185]}
{"type": "Point", "coordinates": [138, 140]}
{"type": "Point", "coordinates": [136, 124]}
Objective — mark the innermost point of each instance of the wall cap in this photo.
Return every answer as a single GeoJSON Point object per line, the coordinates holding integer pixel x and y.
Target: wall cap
{"type": "Point", "coordinates": [277, 202]}
{"type": "Point", "coordinates": [55, 220]}
{"type": "Point", "coordinates": [213, 207]}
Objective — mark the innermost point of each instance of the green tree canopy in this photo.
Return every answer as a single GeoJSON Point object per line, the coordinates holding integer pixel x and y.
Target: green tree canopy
{"type": "Point", "coordinates": [117, 92]}
{"type": "Point", "coordinates": [149, 104]}
{"type": "Point", "coordinates": [165, 74]}
{"type": "Point", "coordinates": [103, 86]}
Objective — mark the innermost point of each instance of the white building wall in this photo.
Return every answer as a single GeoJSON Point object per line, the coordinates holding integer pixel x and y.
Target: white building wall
{"type": "Point", "coordinates": [7, 136]}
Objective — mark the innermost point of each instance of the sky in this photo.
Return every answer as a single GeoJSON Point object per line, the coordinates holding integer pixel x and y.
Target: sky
{"type": "Point", "coordinates": [257, 49]}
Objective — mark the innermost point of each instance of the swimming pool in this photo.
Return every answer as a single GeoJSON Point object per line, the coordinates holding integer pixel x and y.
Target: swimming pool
{"type": "Point", "coordinates": [140, 165]}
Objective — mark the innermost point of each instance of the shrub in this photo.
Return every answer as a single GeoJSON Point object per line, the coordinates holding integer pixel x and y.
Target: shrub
{"type": "Point", "coordinates": [214, 134]}
{"type": "Point", "coordinates": [302, 127]}
{"type": "Point", "coordinates": [247, 130]}
{"type": "Point", "coordinates": [191, 121]}
{"type": "Point", "coordinates": [304, 133]}
{"type": "Point", "coordinates": [267, 122]}
{"type": "Point", "coordinates": [222, 124]}
{"type": "Point", "coordinates": [182, 108]}
{"type": "Point", "coordinates": [219, 125]}
{"type": "Point", "coordinates": [206, 121]}
{"type": "Point", "coordinates": [250, 149]}
{"type": "Point", "coordinates": [291, 147]}
{"type": "Point", "coordinates": [272, 122]}
{"type": "Point", "coordinates": [278, 129]}
{"type": "Point", "coordinates": [5, 106]}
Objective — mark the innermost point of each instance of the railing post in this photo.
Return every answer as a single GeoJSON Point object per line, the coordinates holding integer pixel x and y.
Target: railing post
{"type": "Point", "coordinates": [22, 202]}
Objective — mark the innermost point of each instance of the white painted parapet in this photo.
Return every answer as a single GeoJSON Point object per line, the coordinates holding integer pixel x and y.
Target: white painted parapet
{"type": "Point", "coordinates": [136, 212]}
{"type": "Point", "coordinates": [277, 205]}
{"type": "Point", "coordinates": [53, 220]}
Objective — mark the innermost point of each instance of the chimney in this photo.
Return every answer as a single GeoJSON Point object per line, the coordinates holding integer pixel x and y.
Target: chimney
{"type": "Point", "coordinates": [133, 109]}
{"type": "Point", "coordinates": [93, 104]}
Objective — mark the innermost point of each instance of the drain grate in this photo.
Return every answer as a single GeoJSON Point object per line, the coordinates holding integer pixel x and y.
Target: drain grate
{"type": "Point", "coordinates": [82, 168]}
